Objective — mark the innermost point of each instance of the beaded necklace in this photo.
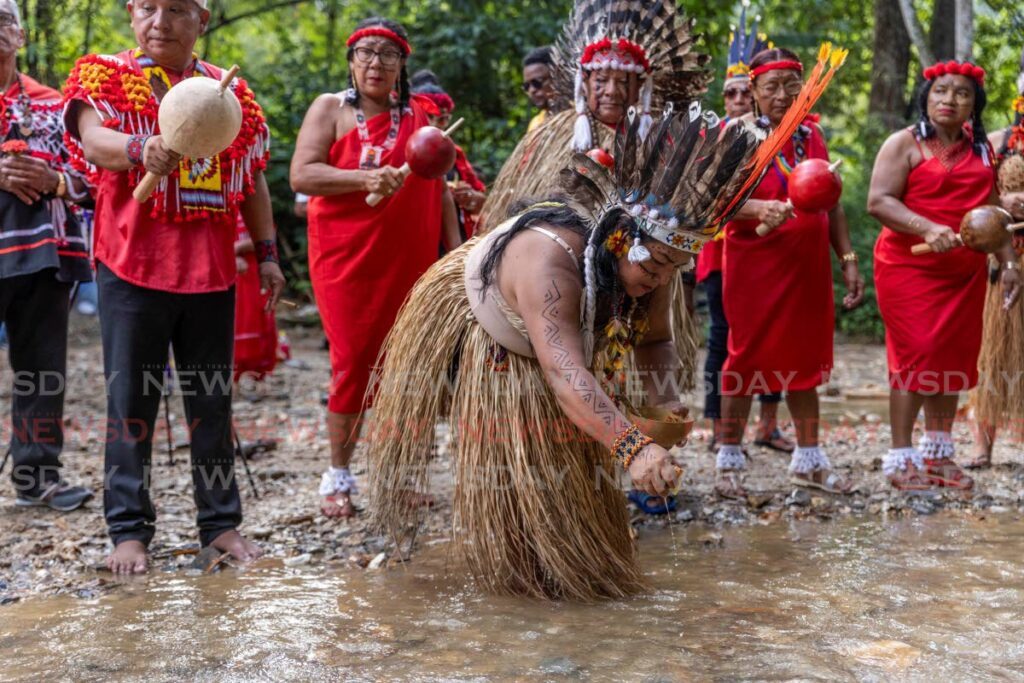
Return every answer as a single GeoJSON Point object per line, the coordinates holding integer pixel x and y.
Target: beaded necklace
{"type": "Point", "coordinates": [370, 155]}
{"type": "Point", "coordinates": [24, 106]}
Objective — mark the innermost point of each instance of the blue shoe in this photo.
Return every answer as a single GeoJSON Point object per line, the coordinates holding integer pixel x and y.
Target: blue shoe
{"type": "Point", "coordinates": [652, 505]}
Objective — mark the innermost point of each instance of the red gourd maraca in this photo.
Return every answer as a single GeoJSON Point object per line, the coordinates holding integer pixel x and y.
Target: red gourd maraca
{"type": "Point", "coordinates": [429, 153]}
{"type": "Point", "coordinates": [814, 187]}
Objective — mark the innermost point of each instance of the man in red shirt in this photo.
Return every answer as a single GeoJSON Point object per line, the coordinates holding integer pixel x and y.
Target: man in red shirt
{"type": "Point", "coordinates": [166, 268]}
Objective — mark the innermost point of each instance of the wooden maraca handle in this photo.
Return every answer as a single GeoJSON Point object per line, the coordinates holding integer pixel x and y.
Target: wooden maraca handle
{"type": "Point", "coordinates": [229, 76]}
{"type": "Point", "coordinates": [373, 199]}
{"type": "Point", "coordinates": [144, 190]}
{"type": "Point", "coordinates": [763, 229]}
{"type": "Point", "coordinates": [926, 248]}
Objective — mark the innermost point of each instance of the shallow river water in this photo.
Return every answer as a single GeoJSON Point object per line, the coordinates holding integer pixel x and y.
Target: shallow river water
{"type": "Point", "coordinates": [938, 599]}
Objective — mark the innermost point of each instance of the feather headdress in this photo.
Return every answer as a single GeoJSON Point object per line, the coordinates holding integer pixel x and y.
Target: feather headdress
{"type": "Point", "coordinates": [743, 45]}
{"type": "Point", "coordinates": [650, 38]}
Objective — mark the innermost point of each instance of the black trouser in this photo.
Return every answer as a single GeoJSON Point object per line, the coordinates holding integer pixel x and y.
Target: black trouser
{"type": "Point", "coordinates": [35, 309]}
{"type": "Point", "coordinates": [718, 350]}
{"type": "Point", "coordinates": [138, 325]}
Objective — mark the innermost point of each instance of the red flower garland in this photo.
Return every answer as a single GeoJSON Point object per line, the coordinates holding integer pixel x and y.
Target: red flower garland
{"type": "Point", "coordinates": [976, 73]}
{"type": "Point", "coordinates": [622, 46]}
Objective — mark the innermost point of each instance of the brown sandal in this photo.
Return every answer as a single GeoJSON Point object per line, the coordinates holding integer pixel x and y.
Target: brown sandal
{"type": "Point", "coordinates": [728, 485]}
{"type": "Point", "coordinates": [338, 506]}
{"type": "Point", "coordinates": [910, 479]}
{"type": "Point", "coordinates": [947, 474]}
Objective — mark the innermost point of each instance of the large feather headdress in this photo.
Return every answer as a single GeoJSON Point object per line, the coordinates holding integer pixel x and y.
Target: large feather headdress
{"type": "Point", "coordinates": [651, 38]}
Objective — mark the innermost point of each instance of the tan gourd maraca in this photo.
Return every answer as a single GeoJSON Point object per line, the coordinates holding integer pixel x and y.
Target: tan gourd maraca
{"type": "Point", "coordinates": [986, 229]}
{"type": "Point", "coordinates": [199, 118]}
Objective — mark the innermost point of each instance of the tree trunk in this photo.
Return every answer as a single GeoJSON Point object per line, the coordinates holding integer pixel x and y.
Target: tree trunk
{"type": "Point", "coordinates": [913, 27]}
{"type": "Point", "coordinates": [889, 66]}
{"type": "Point", "coordinates": [943, 30]}
{"type": "Point", "coordinates": [964, 29]}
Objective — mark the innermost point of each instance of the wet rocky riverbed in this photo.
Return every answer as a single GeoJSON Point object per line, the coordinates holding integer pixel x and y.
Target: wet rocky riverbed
{"type": "Point", "coordinates": [43, 553]}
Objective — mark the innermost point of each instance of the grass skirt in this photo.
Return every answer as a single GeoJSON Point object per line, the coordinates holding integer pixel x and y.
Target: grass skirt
{"type": "Point", "coordinates": [998, 399]}
{"type": "Point", "coordinates": [537, 510]}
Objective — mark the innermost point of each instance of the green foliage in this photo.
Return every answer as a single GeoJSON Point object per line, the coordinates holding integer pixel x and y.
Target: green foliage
{"type": "Point", "coordinates": [292, 50]}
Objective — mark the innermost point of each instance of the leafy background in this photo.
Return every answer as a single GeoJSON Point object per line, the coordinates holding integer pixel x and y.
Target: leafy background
{"type": "Point", "coordinates": [292, 50]}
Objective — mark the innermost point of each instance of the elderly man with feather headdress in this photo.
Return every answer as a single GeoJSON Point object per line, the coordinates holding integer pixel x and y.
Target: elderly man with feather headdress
{"type": "Point", "coordinates": [612, 55]}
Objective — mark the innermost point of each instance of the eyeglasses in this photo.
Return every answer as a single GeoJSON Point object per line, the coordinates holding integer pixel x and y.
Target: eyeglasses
{"type": "Point", "coordinates": [771, 88]}
{"type": "Point", "coordinates": [534, 84]}
{"type": "Point", "coordinates": [8, 20]}
{"type": "Point", "coordinates": [365, 55]}
{"type": "Point", "coordinates": [731, 93]}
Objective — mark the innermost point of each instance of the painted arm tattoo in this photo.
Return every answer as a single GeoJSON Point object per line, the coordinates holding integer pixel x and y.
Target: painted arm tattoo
{"type": "Point", "coordinates": [566, 364]}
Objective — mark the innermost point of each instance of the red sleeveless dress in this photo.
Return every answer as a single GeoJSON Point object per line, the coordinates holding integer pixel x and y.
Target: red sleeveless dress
{"type": "Point", "coordinates": [932, 305]}
{"type": "Point", "coordinates": [363, 260]}
{"type": "Point", "coordinates": [777, 292]}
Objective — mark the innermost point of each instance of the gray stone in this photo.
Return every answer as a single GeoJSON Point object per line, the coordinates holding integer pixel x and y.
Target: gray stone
{"type": "Point", "coordinates": [798, 497]}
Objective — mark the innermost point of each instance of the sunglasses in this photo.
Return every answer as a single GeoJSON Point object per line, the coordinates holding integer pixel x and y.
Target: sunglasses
{"type": "Point", "coordinates": [730, 93]}
{"type": "Point", "coordinates": [534, 84]}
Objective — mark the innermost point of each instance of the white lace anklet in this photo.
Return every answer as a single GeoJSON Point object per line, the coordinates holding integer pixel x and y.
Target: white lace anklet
{"type": "Point", "coordinates": [897, 459]}
{"type": "Point", "coordinates": [937, 445]}
{"type": "Point", "coordinates": [730, 458]}
{"type": "Point", "coordinates": [809, 459]}
{"type": "Point", "coordinates": [337, 480]}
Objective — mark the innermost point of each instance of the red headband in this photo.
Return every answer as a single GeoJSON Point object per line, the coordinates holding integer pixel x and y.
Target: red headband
{"type": "Point", "coordinates": [976, 73]}
{"type": "Point", "coordinates": [443, 102]}
{"type": "Point", "coordinates": [776, 66]}
{"type": "Point", "coordinates": [381, 32]}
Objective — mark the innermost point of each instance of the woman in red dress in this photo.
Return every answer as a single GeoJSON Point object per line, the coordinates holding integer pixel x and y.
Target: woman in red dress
{"type": "Point", "coordinates": [778, 293]}
{"type": "Point", "coordinates": [925, 179]}
{"type": "Point", "coordinates": [363, 260]}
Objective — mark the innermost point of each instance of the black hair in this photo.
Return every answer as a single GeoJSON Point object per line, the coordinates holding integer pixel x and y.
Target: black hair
{"type": "Point", "coordinates": [404, 91]}
{"type": "Point", "coordinates": [979, 139]}
{"type": "Point", "coordinates": [773, 54]}
{"type": "Point", "coordinates": [538, 55]}
{"type": "Point", "coordinates": [606, 264]}
{"type": "Point", "coordinates": [424, 77]}
{"type": "Point", "coordinates": [427, 89]}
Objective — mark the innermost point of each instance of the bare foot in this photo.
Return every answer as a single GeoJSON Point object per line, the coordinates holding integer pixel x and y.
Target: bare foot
{"type": "Point", "coordinates": [338, 506]}
{"type": "Point", "coordinates": [415, 501]}
{"type": "Point", "coordinates": [238, 546]}
{"type": "Point", "coordinates": [129, 557]}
